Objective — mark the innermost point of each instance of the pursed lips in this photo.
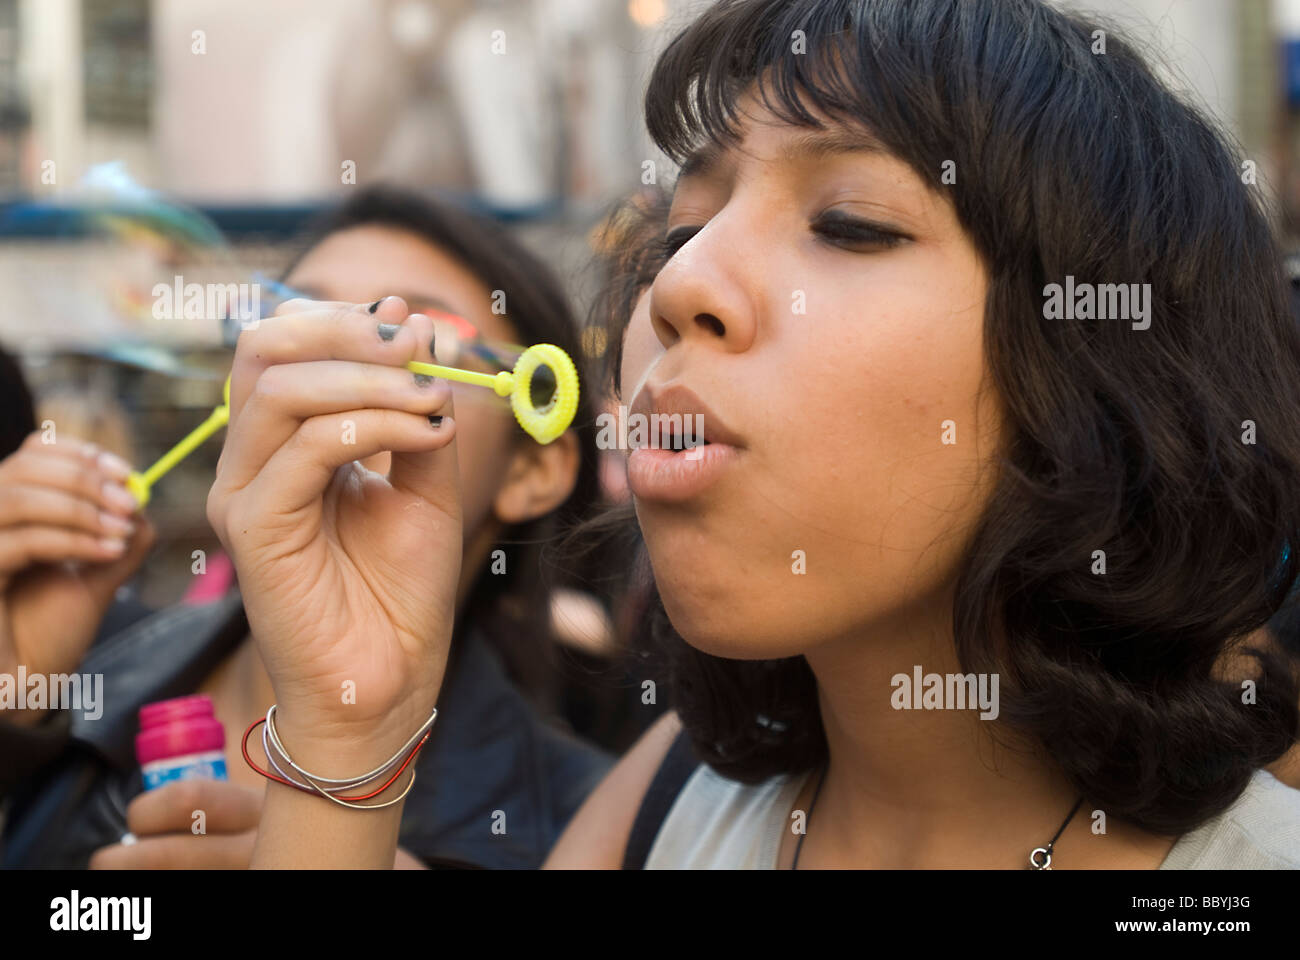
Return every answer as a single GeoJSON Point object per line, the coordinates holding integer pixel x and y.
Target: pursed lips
{"type": "Point", "coordinates": [674, 399]}
{"type": "Point", "coordinates": [673, 474]}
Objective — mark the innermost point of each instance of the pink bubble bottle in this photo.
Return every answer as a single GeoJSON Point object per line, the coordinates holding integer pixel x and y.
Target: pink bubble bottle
{"type": "Point", "coordinates": [180, 739]}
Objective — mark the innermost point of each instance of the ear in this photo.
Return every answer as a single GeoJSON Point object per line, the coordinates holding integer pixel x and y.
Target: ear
{"type": "Point", "coordinates": [539, 478]}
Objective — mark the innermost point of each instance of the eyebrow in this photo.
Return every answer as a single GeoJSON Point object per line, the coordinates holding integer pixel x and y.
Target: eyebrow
{"type": "Point", "coordinates": [818, 146]}
{"type": "Point", "coordinates": [808, 146]}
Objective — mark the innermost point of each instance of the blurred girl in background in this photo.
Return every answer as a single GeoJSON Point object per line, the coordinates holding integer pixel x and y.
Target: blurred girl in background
{"type": "Point", "coordinates": [497, 784]}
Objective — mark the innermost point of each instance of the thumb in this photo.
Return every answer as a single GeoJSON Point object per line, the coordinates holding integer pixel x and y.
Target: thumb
{"type": "Point", "coordinates": [104, 579]}
{"type": "Point", "coordinates": [432, 475]}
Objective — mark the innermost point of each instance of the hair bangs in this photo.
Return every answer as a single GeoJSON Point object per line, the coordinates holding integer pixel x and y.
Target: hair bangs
{"type": "Point", "coordinates": [797, 58]}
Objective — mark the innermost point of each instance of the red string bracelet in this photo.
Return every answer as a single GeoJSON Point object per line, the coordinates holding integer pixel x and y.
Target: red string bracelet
{"type": "Point", "coordinates": [243, 746]}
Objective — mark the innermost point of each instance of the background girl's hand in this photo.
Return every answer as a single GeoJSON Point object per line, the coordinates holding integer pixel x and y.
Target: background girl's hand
{"type": "Point", "coordinates": [163, 825]}
{"type": "Point", "coordinates": [189, 824]}
{"type": "Point", "coordinates": [68, 539]}
{"type": "Point", "coordinates": [349, 577]}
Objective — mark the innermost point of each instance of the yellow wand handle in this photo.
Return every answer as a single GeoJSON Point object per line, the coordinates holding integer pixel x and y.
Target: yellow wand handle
{"type": "Point", "coordinates": [140, 484]}
{"type": "Point", "coordinates": [544, 424]}
{"type": "Point", "coordinates": [503, 383]}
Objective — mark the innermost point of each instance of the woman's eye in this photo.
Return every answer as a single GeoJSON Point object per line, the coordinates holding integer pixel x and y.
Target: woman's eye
{"type": "Point", "coordinates": [677, 239]}
{"type": "Point", "coordinates": [853, 234]}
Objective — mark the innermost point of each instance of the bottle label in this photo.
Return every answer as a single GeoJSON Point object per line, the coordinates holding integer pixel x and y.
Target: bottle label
{"type": "Point", "coordinates": [194, 766]}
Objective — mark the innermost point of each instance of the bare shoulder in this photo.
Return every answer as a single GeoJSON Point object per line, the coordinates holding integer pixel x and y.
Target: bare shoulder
{"type": "Point", "coordinates": [597, 836]}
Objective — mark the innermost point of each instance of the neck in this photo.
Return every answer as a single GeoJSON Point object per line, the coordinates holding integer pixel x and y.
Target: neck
{"type": "Point", "coordinates": [931, 787]}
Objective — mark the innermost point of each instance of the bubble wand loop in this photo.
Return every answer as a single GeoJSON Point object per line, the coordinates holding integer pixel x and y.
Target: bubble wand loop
{"type": "Point", "coordinates": [544, 424]}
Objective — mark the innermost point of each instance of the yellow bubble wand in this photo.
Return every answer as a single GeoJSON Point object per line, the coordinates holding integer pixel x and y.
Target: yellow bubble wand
{"type": "Point", "coordinates": [140, 484]}
{"type": "Point", "coordinates": [545, 423]}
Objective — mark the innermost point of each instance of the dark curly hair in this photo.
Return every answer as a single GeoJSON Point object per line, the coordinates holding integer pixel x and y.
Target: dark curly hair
{"type": "Point", "coordinates": [1068, 162]}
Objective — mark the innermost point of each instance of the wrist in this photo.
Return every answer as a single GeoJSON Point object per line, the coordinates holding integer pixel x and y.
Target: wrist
{"type": "Point", "coordinates": [336, 749]}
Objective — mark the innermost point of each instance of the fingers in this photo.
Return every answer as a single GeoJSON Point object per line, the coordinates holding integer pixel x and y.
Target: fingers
{"type": "Point", "coordinates": [163, 822]}
{"type": "Point", "coordinates": [78, 450]}
{"type": "Point", "coordinates": [327, 331]}
{"type": "Point", "coordinates": [316, 389]}
{"type": "Point", "coordinates": [226, 808]}
{"type": "Point", "coordinates": [62, 501]}
{"type": "Point", "coordinates": [56, 466]}
{"type": "Point", "coordinates": [44, 506]}
{"type": "Point", "coordinates": [433, 475]}
{"type": "Point", "coordinates": [286, 395]}
{"type": "Point", "coordinates": [300, 470]}
{"type": "Point", "coordinates": [179, 851]}
{"type": "Point", "coordinates": [23, 546]}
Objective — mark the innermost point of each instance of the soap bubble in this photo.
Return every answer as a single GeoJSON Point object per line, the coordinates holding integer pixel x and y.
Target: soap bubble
{"type": "Point", "coordinates": [110, 286]}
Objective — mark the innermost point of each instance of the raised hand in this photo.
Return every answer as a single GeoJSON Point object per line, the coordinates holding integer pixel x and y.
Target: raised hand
{"type": "Point", "coordinates": [349, 577]}
{"type": "Point", "coordinates": [69, 537]}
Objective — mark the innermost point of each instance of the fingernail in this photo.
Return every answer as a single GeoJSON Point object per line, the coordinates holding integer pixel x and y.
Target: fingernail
{"type": "Point", "coordinates": [118, 497]}
{"type": "Point", "coordinates": [433, 344]}
{"type": "Point", "coordinates": [116, 524]}
{"type": "Point", "coordinates": [114, 544]}
{"type": "Point", "coordinates": [388, 330]}
{"type": "Point", "coordinates": [435, 421]}
{"type": "Point", "coordinates": [114, 465]}
{"type": "Point", "coordinates": [375, 306]}
{"type": "Point", "coordinates": [423, 379]}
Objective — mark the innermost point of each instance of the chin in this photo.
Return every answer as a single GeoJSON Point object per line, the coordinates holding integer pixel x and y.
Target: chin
{"type": "Point", "coordinates": [730, 623]}
{"type": "Point", "coordinates": [719, 605]}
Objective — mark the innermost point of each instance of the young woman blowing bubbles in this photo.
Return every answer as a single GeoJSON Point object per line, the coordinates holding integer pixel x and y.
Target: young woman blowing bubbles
{"type": "Point", "coordinates": [915, 175]}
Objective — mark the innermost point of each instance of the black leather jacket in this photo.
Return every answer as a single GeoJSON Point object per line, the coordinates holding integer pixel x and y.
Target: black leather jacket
{"type": "Point", "coordinates": [68, 780]}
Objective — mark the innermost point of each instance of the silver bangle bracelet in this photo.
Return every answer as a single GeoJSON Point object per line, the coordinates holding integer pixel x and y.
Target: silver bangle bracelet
{"type": "Point", "coordinates": [272, 744]}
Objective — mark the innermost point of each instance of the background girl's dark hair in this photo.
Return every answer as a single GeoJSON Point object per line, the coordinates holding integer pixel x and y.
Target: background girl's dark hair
{"type": "Point", "coordinates": [1068, 162]}
{"type": "Point", "coordinates": [17, 410]}
{"type": "Point", "coordinates": [512, 608]}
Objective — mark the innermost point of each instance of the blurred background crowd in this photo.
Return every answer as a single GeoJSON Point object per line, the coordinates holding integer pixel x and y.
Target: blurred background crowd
{"type": "Point", "coordinates": [141, 139]}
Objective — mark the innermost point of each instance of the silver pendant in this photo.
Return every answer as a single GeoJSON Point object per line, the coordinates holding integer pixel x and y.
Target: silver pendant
{"type": "Point", "coordinates": [1041, 858]}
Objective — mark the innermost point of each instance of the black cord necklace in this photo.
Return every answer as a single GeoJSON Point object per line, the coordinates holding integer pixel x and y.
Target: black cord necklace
{"type": "Point", "coordinates": [808, 823]}
{"type": "Point", "coordinates": [1039, 859]}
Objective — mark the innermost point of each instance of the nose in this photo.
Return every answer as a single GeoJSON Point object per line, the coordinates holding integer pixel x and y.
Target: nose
{"type": "Point", "coordinates": [703, 292]}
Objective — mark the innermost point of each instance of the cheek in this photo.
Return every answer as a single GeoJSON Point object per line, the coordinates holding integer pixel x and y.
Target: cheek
{"type": "Point", "coordinates": [851, 504]}
{"type": "Point", "coordinates": [876, 465]}
{"type": "Point", "coordinates": [641, 349]}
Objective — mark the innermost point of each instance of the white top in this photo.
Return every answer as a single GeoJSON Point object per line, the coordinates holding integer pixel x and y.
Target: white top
{"type": "Point", "coordinates": [721, 824]}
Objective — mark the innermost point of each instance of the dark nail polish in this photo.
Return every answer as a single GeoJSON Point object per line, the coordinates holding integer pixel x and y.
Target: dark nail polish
{"type": "Point", "coordinates": [435, 421]}
{"type": "Point", "coordinates": [388, 330]}
{"type": "Point", "coordinates": [375, 306]}
{"type": "Point", "coordinates": [433, 343]}
{"type": "Point", "coordinates": [423, 379]}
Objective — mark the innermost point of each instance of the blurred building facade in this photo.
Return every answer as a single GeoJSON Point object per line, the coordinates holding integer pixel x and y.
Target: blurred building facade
{"type": "Point", "coordinates": [528, 104]}
{"type": "Point", "coordinates": [522, 101]}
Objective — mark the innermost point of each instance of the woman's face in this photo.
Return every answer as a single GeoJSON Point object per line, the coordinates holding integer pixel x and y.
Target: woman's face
{"type": "Point", "coordinates": [362, 264]}
{"type": "Point", "coordinates": [828, 310]}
